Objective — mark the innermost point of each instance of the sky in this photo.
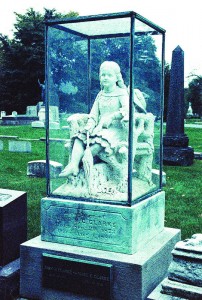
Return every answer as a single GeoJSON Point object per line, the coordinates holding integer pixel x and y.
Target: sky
{"type": "Point", "coordinates": [181, 19]}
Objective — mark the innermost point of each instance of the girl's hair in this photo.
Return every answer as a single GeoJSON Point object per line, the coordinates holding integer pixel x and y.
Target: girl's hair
{"type": "Point", "coordinates": [115, 67]}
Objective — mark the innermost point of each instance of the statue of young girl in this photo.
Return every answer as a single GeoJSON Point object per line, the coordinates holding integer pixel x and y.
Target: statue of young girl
{"type": "Point", "coordinates": [106, 126]}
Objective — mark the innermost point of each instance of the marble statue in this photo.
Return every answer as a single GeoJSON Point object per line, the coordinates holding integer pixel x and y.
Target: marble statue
{"type": "Point", "coordinates": [99, 141]}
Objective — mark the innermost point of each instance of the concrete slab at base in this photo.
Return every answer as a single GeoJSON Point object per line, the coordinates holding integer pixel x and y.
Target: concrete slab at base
{"type": "Point", "coordinates": [134, 276]}
{"type": "Point", "coordinates": [102, 226]}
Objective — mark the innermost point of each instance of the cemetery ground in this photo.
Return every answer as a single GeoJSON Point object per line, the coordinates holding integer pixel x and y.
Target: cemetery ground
{"type": "Point", "coordinates": [183, 184]}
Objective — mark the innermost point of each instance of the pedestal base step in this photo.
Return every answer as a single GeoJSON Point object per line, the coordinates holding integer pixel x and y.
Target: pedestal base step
{"type": "Point", "coordinates": [120, 276]}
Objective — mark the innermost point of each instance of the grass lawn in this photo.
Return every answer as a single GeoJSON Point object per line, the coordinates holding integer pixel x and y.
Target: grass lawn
{"type": "Point", "coordinates": [183, 188]}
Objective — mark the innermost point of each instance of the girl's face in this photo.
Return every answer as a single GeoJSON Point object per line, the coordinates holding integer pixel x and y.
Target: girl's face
{"type": "Point", "coordinates": [108, 78]}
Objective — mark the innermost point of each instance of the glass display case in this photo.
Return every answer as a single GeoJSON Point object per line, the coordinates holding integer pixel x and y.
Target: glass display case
{"type": "Point", "coordinates": [104, 99]}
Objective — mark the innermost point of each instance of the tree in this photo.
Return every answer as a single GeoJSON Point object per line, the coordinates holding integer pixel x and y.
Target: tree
{"type": "Point", "coordinates": [194, 94]}
{"type": "Point", "coordinates": [22, 60]}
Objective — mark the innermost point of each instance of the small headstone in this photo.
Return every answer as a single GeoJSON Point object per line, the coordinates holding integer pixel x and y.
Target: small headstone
{"type": "Point", "coordinates": [54, 125]}
{"type": "Point", "coordinates": [189, 111]}
{"type": "Point", "coordinates": [1, 145]}
{"type": "Point", "coordinates": [37, 168]}
{"type": "Point", "coordinates": [53, 114]}
{"type": "Point", "coordinates": [14, 113]}
{"type": "Point", "coordinates": [20, 146]}
{"type": "Point", "coordinates": [156, 177]}
{"type": "Point", "coordinates": [31, 111]}
{"type": "Point", "coordinates": [42, 114]}
{"type": "Point", "coordinates": [3, 113]}
{"type": "Point", "coordinates": [37, 124]}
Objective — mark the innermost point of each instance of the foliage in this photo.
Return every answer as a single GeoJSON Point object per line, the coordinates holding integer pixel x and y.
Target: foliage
{"type": "Point", "coordinates": [22, 60]}
{"type": "Point", "coordinates": [194, 94]}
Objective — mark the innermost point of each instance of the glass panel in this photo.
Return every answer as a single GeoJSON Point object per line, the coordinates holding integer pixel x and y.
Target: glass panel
{"type": "Point", "coordinates": [100, 27]}
{"type": "Point", "coordinates": [93, 98]}
{"type": "Point", "coordinates": [147, 112]}
{"type": "Point", "coordinates": [88, 82]}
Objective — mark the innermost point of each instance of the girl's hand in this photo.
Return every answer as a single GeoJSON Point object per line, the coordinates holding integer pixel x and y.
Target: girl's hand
{"type": "Point", "coordinates": [106, 121]}
{"type": "Point", "coordinates": [89, 126]}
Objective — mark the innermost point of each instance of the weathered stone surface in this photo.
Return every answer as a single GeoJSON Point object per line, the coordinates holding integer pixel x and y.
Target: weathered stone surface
{"type": "Point", "coordinates": [185, 271]}
{"type": "Point", "coordinates": [102, 226]}
{"type": "Point", "coordinates": [187, 261]}
{"type": "Point", "coordinates": [182, 290]}
{"type": "Point", "coordinates": [20, 146]}
{"type": "Point", "coordinates": [37, 168]}
{"type": "Point", "coordinates": [13, 224]}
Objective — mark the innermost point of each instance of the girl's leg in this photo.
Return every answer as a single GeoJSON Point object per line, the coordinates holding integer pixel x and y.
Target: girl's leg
{"type": "Point", "coordinates": [76, 156]}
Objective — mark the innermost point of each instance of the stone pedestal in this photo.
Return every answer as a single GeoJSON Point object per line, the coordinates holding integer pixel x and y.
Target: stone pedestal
{"type": "Point", "coordinates": [91, 250]}
{"type": "Point", "coordinates": [103, 226]}
{"type": "Point", "coordinates": [132, 277]}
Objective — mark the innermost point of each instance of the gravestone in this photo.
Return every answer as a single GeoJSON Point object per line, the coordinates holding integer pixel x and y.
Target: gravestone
{"type": "Point", "coordinates": [3, 113]}
{"type": "Point", "coordinates": [20, 146]}
{"type": "Point", "coordinates": [31, 111]}
{"type": "Point", "coordinates": [53, 118]}
{"type": "Point", "coordinates": [14, 113]}
{"type": "Point", "coordinates": [13, 232]}
{"type": "Point", "coordinates": [37, 168]}
{"type": "Point", "coordinates": [189, 111]}
{"type": "Point", "coordinates": [176, 150]}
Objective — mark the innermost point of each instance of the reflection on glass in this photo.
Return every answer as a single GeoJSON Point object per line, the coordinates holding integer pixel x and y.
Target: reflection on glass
{"type": "Point", "coordinates": [99, 154]}
{"type": "Point", "coordinates": [89, 78]}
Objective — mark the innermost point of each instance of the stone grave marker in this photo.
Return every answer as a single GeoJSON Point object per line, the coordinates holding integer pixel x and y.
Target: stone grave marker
{"type": "Point", "coordinates": [14, 114]}
{"type": "Point", "coordinates": [3, 113]}
{"type": "Point", "coordinates": [20, 146]}
{"type": "Point", "coordinates": [31, 111]}
{"type": "Point", "coordinates": [37, 168]}
{"type": "Point", "coordinates": [176, 150]}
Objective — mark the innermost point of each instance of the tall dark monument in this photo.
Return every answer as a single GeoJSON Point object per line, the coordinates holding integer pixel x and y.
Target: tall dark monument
{"type": "Point", "coordinates": [176, 150]}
